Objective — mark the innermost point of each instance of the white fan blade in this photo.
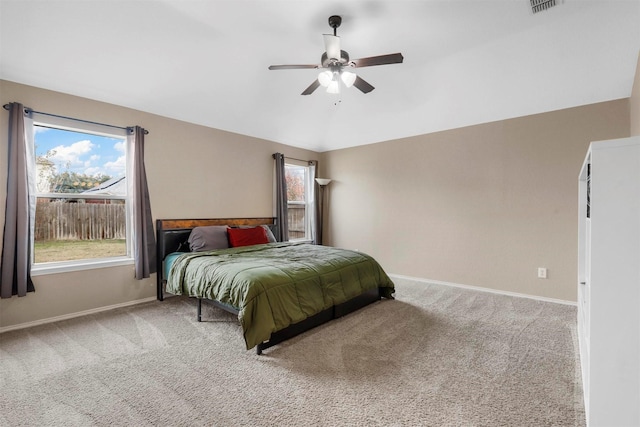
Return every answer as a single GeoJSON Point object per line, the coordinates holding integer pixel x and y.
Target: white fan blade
{"type": "Point", "coordinates": [332, 46]}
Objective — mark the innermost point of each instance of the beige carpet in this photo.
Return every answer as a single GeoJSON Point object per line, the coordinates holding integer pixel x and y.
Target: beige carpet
{"type": "Point", "coordinates": [435, 356]}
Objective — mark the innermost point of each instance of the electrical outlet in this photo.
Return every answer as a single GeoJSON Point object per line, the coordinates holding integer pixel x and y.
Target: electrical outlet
{"type": "Point", "coordinates": [542, 273]}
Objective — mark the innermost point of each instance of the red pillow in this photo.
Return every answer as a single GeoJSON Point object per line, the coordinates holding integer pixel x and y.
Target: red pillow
{"type": "Point", "coordinates": [246, 236]}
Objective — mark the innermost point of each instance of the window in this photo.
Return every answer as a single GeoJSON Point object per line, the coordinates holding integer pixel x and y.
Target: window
{"type": "Point", "coordinates": [82, 213]}
{"type": "Point", "coordinates": [300, 201]}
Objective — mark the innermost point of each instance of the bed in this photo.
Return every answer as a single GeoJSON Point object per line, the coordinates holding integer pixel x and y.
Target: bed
{"type": "Point", "coordinates": [277, 289]}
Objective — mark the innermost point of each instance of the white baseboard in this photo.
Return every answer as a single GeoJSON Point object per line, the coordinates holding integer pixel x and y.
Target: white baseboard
{"type": "Point", "coordinates": [73, 315]}
{"type": "Point", "coordinates": [478, 288]}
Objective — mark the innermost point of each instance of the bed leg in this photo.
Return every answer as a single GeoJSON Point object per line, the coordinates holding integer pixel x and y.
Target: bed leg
{"type": "Point", "coordinates": [199, 309]}
{"type": "Point", "coordinates": [259, 349]}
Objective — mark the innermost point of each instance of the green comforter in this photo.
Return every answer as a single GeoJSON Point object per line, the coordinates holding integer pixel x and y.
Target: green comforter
{"type": "Point", "coordinates": [275, 285]}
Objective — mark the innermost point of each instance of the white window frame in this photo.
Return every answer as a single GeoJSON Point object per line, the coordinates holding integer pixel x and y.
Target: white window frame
{"type": "Point", "coordinates": [54, 267]}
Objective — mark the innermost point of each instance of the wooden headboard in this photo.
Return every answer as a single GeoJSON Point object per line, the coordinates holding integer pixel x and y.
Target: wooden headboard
{"type": "Point", "coordinates": [172, 234]}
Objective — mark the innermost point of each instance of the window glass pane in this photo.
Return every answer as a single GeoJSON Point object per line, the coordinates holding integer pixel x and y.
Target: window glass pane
{"type": "Point", "coordinates": [297, 203]}
{"type": "Point", "coordinates": [73, 162]}
{"type": "Point", "coordinates": [295, 183]}
{"type": "Point", "coordinates": [81, 205]}
{"type": "Point", "coordinates": [72, 229]}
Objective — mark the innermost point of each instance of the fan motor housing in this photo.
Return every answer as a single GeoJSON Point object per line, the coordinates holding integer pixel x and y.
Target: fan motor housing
{"type": "Point", "coordinates": [328, 62]}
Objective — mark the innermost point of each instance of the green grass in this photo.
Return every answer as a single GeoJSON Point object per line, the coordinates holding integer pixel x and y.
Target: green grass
{"type": "Point", "coordinates": [67, 250]}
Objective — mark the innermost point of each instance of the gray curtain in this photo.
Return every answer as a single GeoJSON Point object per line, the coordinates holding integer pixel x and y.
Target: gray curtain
{"type": "Point", "coordinates": [20, 208]}
{"type": "Point", "coordinates": [280, 192]}
{"type": "Point", "coordinates": [144, 241]}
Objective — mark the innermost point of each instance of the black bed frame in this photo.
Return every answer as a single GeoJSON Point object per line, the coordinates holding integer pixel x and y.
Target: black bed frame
{"type": "Point", "coordinates": [172, 235]}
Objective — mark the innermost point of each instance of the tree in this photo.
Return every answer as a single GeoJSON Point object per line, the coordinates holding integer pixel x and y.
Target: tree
{"type": "Point", "coordinates": [295, 185]}
{"type": "Point", "coordinates": [73, 182]}
{"type": "Point", "coordinates": [45, 171]}
{"type": "Point", "coordinates": [50, 181]}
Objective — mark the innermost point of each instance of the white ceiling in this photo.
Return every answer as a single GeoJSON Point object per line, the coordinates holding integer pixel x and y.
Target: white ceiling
{"type": "Point", "coordinates": [205, 62]}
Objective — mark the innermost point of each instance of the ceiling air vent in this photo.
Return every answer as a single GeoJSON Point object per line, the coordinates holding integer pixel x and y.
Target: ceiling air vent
{"type": "Point", "coordinates": [540, 5]}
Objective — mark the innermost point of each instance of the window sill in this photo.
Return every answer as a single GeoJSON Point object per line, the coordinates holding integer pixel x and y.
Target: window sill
{"type": "Point", "coordinates": [69, 266]}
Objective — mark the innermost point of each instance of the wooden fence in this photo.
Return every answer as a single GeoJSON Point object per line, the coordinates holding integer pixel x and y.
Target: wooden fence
{"type": "Point", "coordinates": [56, 220]}
{"type": "Point", "coordinates": [295, 214]}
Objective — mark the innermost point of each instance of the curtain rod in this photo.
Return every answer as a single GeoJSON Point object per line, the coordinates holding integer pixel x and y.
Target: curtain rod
{"type": "Point", "coordinates": [300, 160]}
{"type": "Point", "coordinates": [29, 110]}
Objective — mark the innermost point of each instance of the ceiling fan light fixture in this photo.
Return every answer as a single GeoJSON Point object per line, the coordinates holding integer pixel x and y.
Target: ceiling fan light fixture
{"type": "Point", "coordinates": [334, 87]}
{"type": "Point", "coordinates": [335, 61]}
{"type": "Point", "coordinates": [348, 78]}
{"type": "Point", "coordinates": [325, 77]}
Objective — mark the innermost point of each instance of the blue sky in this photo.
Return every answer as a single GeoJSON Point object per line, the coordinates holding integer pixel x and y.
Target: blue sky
{"type": "Point", "coordinates": [81, 152]}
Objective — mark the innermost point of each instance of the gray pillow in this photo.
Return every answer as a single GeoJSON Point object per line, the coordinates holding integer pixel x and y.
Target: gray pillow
{"type": "Point", "coordinates": [270, 236]}
{"type": "Point", "coordinates": [208, 238]}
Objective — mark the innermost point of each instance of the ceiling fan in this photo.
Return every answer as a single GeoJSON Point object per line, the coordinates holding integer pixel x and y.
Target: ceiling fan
{"type": "Point", "coordinates": [337, 65]}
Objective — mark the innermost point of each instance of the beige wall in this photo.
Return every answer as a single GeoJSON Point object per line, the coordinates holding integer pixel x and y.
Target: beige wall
{"type": "Point", "coordinates": [484, 205]}
{"type": "Point", "coordinates": [193, 172]}
{"type": "Point", "coordinates": [635, 102]}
